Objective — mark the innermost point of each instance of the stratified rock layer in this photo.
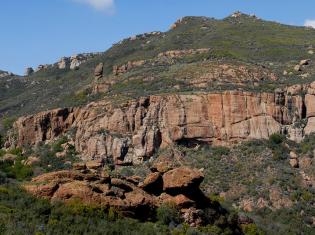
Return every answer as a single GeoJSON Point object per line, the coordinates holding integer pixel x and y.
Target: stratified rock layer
{"type": "Point", "coordinates": [137, 129]}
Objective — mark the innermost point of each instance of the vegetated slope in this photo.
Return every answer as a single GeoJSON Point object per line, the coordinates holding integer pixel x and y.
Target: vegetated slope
{"type": "Point", "coordinates": [255, 178]}
{"type": "Point", "coordinates": [260, 179]}
{"type": "Point", "coordinates": [234, 40]}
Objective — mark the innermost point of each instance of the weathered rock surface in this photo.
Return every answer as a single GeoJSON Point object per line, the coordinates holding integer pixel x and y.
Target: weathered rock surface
{"type": "Point", "coordinates": [126, 67]}
{"type": "Point", "coordinates": [135, 130]}
{"type": "Point", "coordinates": [8, 157]}
{"type": "Point", "coordinates": [64, 63]}
{"type": "Point", "coordinates": [29, 71]}
{"type": "Point", "coordinates": [294, 163]}
{"type": "Point", "coordinates": [74, 62]}
{"type": "Point", "coordinates": [98, 72]}
{"type": "Point", "coordinates": [5, 74]}
{"type": "Point", "coordinates": [182, 53]}
{"type": "Point", "coordinates": [153, 183]}
{"type": "Point", "coordinates": [182, 179]}
{"type": "Point", "coordinates": [30, 161]}
{"type": "Point", "coordinates": [41, 67]}
{"type": "Point", "coordinates": [118, 193]}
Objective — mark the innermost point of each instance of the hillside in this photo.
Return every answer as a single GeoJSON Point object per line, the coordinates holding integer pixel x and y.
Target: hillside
{"type": "Point", "coordinates": [207, 128]}
{"type": "Point", "coordinates": [266, 48]}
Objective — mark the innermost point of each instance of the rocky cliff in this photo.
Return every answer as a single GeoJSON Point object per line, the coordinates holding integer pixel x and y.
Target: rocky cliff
{"type": "Point", "coordinates": [134, 131]}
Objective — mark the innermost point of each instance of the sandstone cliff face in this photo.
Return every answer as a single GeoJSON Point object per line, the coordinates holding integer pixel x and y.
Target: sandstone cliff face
{"type": "Point", "coordinates": [137, 129]}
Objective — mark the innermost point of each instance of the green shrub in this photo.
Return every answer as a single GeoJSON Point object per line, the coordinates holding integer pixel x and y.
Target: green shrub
{"type": "Point", "coordinates": [276, 139]}
{"type": "Point", "coordinates": [113, 214]}
{"type": "Point", "coordinates": [168, 213]}
{"type": "Point", "coordinates": [1, 141]}
{"type": "Point", "coordinates": [2, 152]}
{"type": "Point", "coordinates": [307, 145]}
{"type": "Point", "coordinates": [216, 198]}
{"type": "Point", "coordinates": [16, 151]}
{"type": "Point", "coordinates": [7, 122]}
{"type": "Point", "coordinates": [251, 229]}
{"type": "Point", "coordinates": [48, 159]}
{"type": "Point", "coordinates": [56, 146]}
{"type": "Point", "coordinates": [211, 229]}
{"type": "Point", "coordinates": [279, 153]}
{"type": "Point", "coordinates": [220, 151]}
{"type": "Point", "coordinates": [307, 196]}
{"type": "Point", "coordinates": [276, 144]}
{"type": "Point", "coordinates": [19, 171]}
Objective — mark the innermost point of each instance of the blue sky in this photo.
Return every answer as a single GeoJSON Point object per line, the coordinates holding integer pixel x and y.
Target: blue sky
{"type": "Point", "coordinates": [37, 32]}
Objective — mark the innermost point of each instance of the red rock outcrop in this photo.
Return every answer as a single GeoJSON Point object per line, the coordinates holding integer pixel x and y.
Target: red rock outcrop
{"type": "Point", "coordinates": [126, 197]}
{"type": "Point", "coordinates": [182, 179]}
{"type": "Point", "coordinates": [135, 130]}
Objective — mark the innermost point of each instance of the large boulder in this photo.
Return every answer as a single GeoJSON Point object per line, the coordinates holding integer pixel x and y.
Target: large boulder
{"type": "Point", "coordinates": [153, 183]}
{"type": "Point", "coordinates": [95, 164]}
{"type": "Point", "coordinates": [92, 187]}
{"type": "Point", "coordinates": [64, 63]}
{"type": "Point", "coordinates": [182, 179]}
{"type": "Point", "coordinates": [305, 62]}
{"type": "Point", "coordinates": [29, 71]}
{"type": "Point", "coordinates": [8, 157]}
{"type": "Point", "coordinates": [294, 162]}
{"type": "Point", "coordinates": [98, 72]}
{"type": "Point", "coordinates": [31, 161]}
{"type": "Point", "coordinates": [181, 201]}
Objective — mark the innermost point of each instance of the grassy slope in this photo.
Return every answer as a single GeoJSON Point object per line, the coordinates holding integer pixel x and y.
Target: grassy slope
{"type": "Point", "coordinates": [243, 39]}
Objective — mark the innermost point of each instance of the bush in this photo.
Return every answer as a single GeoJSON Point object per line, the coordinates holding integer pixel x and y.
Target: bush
{"type": "Point", "coordinates": [220, 151]}
{"type": "Point", "coordinates": [16, 171]}
{"type": "Point", "coordinates": [276, 144]}
{"type": "Point", "coordinates": [168, 213]}
{"type": "Point", "coordinates": [276, 139]}
{"type": "Point", "coordinates": [2, 152]}
{"type": "Point", "coordinates": [216, 198]}
{"type": "Point", "coordinates": [56, 147]}
{"type": "Point", "coordinates": [251, 229]}
{"type": "Point", "coordinates": [21, 213]}
{"type": "Point", "coordinates": [16, 151]}
{"type": "Point", "coordinates": [7, 122]}
{"type": "Point", "coordinates": [48, 159]}
{"type": "Point", "coordinates": [307, 145]}
{"type": "Point", "coordinates": [113, 214]}
{"type": "Point", "coordinates": [211, 229]}
{"type": "Point", "coordinates": [279, 153]}
{"type": "Point", "coordinates": [307, 196]}
{"type": "Point", "coordinates": [1, 141]}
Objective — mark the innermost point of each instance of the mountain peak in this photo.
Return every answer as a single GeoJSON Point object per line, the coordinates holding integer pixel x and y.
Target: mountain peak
{"type": "Point", "coordinates": [239, 14]}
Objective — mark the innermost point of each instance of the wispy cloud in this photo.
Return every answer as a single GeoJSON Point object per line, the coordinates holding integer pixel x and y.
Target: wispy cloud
{"type": "Point", "coordinates": [310, 23]}
{"type": "Point", "coordinates": [107, 6]}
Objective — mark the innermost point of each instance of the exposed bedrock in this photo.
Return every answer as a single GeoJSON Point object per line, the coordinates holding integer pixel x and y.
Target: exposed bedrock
{"type": "Point", "coordinates": [127, 195]}
{"type": "Point", "coordinates": [135, 130]}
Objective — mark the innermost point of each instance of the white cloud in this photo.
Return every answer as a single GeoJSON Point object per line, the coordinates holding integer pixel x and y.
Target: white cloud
{"type": "Point", "coordinates": [107, 6]}
{"type": "Point", "coordinates": [310, 23]}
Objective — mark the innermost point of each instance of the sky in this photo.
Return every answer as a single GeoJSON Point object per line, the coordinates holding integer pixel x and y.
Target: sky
{"type": "Point", "coordinates": [37, 32]}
